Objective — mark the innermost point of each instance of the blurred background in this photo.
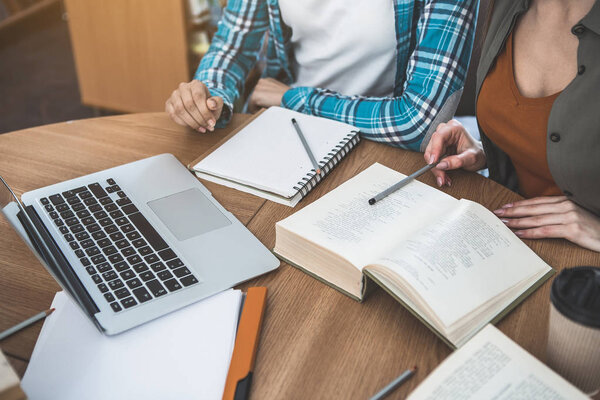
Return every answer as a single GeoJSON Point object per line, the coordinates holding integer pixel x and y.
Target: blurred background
{"type": "Point", "coordinates": [72, 59]}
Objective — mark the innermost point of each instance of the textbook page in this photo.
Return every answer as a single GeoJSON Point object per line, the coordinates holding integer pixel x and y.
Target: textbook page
{"type": "Point", "coordinates": [182, 355]}
{"type": "Point", "coordinates": [491, 366]}
{"type": "Point", "coordinates": [462, 260]}
{"type": "Point", "coordinates": [342, 221]}
{"type": "Point", "coordinates": [267, 154]}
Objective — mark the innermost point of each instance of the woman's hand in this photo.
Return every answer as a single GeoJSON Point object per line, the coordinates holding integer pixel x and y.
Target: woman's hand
{"type": "Point", "coordinates": [268, 92]}
{"type": "Point", "coordinates": [192, 105]}
{"type": "Point", "coordinates": [460, 148]}
{"type": "Point", "coordinates": [552, 217]}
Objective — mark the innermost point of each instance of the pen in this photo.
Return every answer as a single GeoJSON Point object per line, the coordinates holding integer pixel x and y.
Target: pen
{"type": "Point", "coordinates": [406, 375]}
{"type": "Point", "coordinates": [26, 323]}
{"type": "Point", "coordinates": [402, 183]}
{"type": "Point", "coordinates": [306, 147]}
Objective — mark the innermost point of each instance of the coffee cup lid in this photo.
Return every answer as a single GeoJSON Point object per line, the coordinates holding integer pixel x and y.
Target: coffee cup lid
{"type": "Point", "coordinates": [576, 294]}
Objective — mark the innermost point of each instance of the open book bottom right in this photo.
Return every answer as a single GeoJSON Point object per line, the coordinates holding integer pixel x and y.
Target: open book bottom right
{"type": "Point", "coordinates": [452, 263]}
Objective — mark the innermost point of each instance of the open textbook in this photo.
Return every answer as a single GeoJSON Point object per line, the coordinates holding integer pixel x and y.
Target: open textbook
{"type": "Point", "coordinates": [451, 262]}
{"type": "Point", "coordinates": [491, 366]}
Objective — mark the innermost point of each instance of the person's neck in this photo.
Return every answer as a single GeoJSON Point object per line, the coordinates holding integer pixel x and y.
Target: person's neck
{"type": "Point", "coordinates": [561, 11]}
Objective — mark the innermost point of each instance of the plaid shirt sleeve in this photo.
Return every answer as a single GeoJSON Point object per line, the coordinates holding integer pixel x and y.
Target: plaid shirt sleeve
{"type": "Point", "coordinates": [436, 69]}
{"type": "Point", "coordinates": [233, 52]}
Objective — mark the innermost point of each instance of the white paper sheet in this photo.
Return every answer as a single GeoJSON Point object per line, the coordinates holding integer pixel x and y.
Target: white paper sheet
{"type": "Point", "coordinates": [183, 355]}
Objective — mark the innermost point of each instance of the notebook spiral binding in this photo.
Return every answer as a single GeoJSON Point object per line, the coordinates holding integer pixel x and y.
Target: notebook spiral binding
{"type": "Point", "coordinates": [331, 160]}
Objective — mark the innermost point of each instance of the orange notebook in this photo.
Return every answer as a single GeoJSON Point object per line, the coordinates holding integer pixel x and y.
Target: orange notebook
{"type": "Point", "coordinates": [239, 378]}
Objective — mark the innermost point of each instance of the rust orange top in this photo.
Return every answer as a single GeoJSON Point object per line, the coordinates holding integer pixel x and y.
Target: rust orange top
{"type": "Point", "coordinates": [518, 125]}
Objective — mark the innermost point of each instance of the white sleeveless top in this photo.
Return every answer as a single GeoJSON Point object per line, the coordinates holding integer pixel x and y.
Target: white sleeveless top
{"type": "Point", "coordinates": [342, 45]}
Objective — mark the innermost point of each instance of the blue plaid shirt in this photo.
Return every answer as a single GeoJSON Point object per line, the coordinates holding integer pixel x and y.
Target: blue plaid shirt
{"type": "Point", "coordinates": [434, 42]}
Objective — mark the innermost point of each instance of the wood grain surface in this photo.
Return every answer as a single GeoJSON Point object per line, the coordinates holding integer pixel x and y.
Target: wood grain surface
{"type": "Point", "coordinates": [316, 343]}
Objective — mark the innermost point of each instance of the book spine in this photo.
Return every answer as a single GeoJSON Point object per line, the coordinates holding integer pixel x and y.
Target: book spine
{"type": "Point", "coordinates": [331, 160]}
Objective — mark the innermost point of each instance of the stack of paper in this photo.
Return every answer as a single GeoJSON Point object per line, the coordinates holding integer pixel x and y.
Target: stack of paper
{"type": "Point", "coordinates": [182, 355]}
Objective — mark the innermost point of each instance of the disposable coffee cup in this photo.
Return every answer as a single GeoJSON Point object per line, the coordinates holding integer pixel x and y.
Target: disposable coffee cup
{"type": "Point", "coordinates": [574, 332]}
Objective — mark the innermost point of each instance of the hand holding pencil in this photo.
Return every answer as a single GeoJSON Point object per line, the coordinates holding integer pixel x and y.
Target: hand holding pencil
{"type": "Point", "coordinates": [462, 150]}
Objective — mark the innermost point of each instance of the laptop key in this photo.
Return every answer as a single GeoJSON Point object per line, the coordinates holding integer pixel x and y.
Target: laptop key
{"type": "Point", "coordinates": [98, 259]}
{"type": "Point", "coordinates": [105, 221]}
{"type": "Point", "coordinates": [74, 245]}
{"type": "Point", "coordinates": [97, 190]}
{"type": "Point", "coordinates": [144, 251]}
{"type": "Point", "coordinates": [141, 267]}
{"type": "Point", "coordinates": [116, 214]}
{"type": "Point", "coordinates": [71, 221]}
{"type": "Point", "coordinates": [188, 280]}
{"type": "Point", "coordinates": [87, 243]}
{"type": "Point", "coordinates": [78, 207]}
{"type": "Point", "coordinates": [129, 251]}
{"type": "Point", "coordinates": [95, 208]}
{"type": "Point", "coordinates": [121, 194]}
{"type": "Point", "coordinates": [133, 283]}
{"type": "Point", "coordinates": [127, 228]}
{"type": "Point", "coordinates": [156, 288]}
{"type": "Point", "coordinates": [76, 228]}
{"type": "Point", "coordinates": [103, 288]}
{"type": "Point", "coordinates": [122, 244]}
{"type": "Point", "coordinates": [156, 267]}
{"type": "Point", "coordinates": [152, 258]}
{"type": "Point", "coordinates": [105, 201]}
{"type": "Point", "coordinates": [123, 201]}
{"type": "Point", "coordinates": [122, 293]}
{"type": "Point", "coordinates": [110, 275]}
{"type": "Point", "coordinates": [56, 199]}
{"type": "Point", "coordinates": [121, 221]}
{"type": "Point", "coordinates": [115, 258]}
{"type": "Point", "coordinates": [115, 306]}
{"type": "Point", "coordinates": [176, 263]}
{"type": "Point", "coordinates": [117, 236]}
{"type": "Point", "coordinates": [121, 266]}
{"type": "Point", "coordinates": [133, 235]}
{"type": "Point", "coordinates": [85, 195]}
{"type": "Point", "coordinates": [100, 215]}
{"type": "Point", "coordinates": [128, 274]}
{"type": "Point", "coordinates": [109, 297]}
{"type": "Point", "coordinates": [139, 243]}
{"type": "Point", "coordinates": [129, 302]}
{"type": "Point", "coordinates": [167, 254]}
{"type": "Point", "coordinates": [103, 267]}
{"type": "Point", "coordinates": [60, 208]}
{"type": "Point", "coordinates": [146, 276]}
{"type": "Point", "coordinates": [63, 229]}
{"type": "Point", "coordinates": [93, 228]}
{"type": "Point", "coordinates": [164, 275]}
{"type": "Point", "coordinates": [59, 222]}
{"type": "Point", "coordinates": [83, 213]}
{"type": "Point", "coordinates": [90, 270]}
{"type": "Point", "coordinates": [54, 215]}
{"type": "Point", "coordinates": [181, 272]}
{"type": "Point", "coordinates": [104, 242]}
{"type": "Point", "coordinates": [84, 261]}
{"type": "Point", "coordinates": [172, 285]}
{"type": "Point", "coordinates": [45, 201]}
{"type": "Point", "coordinates": [134, 259]}
{"type": "Point", "coordinates": [92, 251]}
{"type": "Point", "coordinates": [115, 284]}
{"type": "Point", "coordinates": [74, 200]}
{"type": "Point", "coordinates": [142, 294]}
{"type": "Point", "coordinates": [129, 209]}
{"type": "Point", "coordinates": [66, 214]}
{"type": "Point", "coordinates": [148, 231]}
{"type": "Point", "coordinates": [110, 207]}
{"type": "Point", "coordinates": [79, 253]}
{"type": "Point", "coordinates": [111, 229]}
{"type": "Point", "coordinates": [70, 238]}
{"type": "Point", "coordinates": [109, 250]}
{"type": "Point", "coordinates": [97, 278]}
{"type": "Point", "coordinates": [88, 220]}
{"type": "Point", "coordinates": [82, 236]}
{"type": "Point", "coordinates": [111, 181]}
{"type": "Point", "coordinates": [68, 194]}
{"type": "Point", "coordinates": [49, 207]}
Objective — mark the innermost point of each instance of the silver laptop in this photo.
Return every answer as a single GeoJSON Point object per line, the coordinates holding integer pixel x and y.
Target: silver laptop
{"type": "Point", "coordinates": [135, 242]}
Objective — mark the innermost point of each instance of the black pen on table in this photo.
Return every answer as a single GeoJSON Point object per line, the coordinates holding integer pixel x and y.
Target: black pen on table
{"type": "Point", "coordinates": [306, 146]}
{"type": "Point", "coordinates": [403, 182]}
{"type": "Point", "coordinates": [406, 375]}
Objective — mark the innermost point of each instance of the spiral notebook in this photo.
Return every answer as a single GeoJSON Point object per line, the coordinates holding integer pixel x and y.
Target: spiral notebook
{"type": "Point", "coordinates": [265, 157]}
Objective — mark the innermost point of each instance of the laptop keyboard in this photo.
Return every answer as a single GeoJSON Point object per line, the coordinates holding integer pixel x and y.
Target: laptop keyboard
{"type": "Point", "coordinates": [127, 259]}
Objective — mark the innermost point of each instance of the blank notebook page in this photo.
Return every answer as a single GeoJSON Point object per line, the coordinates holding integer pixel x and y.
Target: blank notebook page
{"type": "Point", "coordinates": [183, 355]}
{"type": "Point", "coordinates": [268, 154]}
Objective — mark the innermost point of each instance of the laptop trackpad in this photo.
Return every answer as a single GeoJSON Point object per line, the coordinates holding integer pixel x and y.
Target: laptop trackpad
{"type": "Point", "coordinates": [189, 213]}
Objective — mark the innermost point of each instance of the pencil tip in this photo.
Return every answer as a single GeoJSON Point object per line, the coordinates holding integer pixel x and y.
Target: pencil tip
{"type": "Point", "coordinates": [50, 311]}
{"type": "Point", "coordinates": [414, 368]}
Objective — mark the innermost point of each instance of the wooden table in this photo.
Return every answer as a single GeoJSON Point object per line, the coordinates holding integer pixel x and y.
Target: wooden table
{"type": "Point", "coordinates": [316, 342]}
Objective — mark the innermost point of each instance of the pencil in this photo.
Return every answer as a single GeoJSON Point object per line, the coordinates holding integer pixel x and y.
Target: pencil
{"type": "Point", "coordinates": [406, 375]}
{"type": "Point", "coordinates": [25, 323]}
{"type": "Point", "coordinates": [306, 147]}
{"type": "Point", "coordinates": [402, 183]}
